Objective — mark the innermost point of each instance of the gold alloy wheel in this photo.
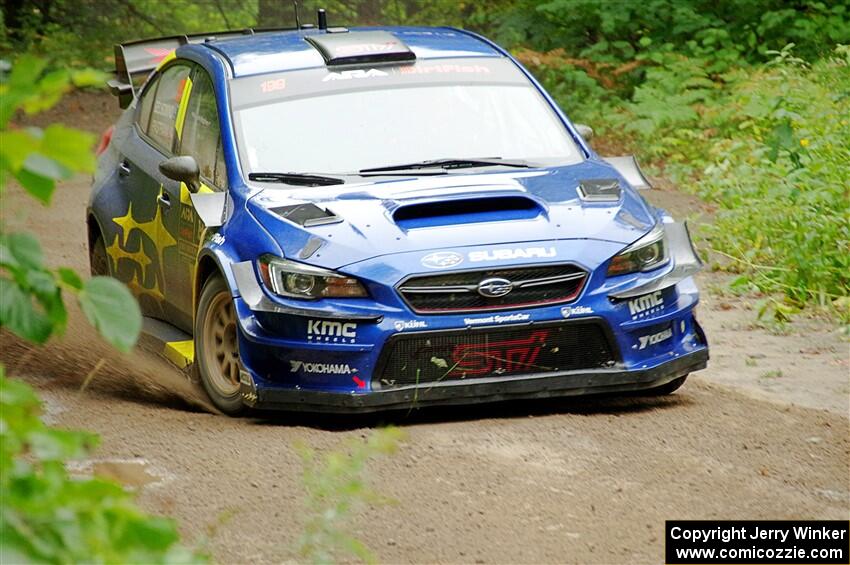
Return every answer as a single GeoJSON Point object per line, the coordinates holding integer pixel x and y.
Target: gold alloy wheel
{"type": "Point", "coordinates": [221, 352]}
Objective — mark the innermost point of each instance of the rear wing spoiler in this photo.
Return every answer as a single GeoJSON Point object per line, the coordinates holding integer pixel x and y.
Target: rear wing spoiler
{"type": "Point", "coordinates": [136, 59]}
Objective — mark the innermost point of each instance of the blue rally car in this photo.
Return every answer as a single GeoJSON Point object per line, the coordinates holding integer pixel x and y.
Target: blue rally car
{"type": "Point", "coordinates": [345, 220]}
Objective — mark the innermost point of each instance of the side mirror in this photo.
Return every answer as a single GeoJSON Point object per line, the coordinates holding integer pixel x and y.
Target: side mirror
{"type": "Point", "coordinates": [585, 131]}
{"type": "Point", "coordinates": [182, 169]}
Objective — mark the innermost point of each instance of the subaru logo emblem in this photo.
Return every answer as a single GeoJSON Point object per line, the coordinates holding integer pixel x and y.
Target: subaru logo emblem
{"type": "Point", "coordinates": [495, 287]}
{"type": "Point", "coordinates": [442, 259]}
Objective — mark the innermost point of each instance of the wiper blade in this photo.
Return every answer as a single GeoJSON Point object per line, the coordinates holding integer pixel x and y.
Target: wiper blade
{"type": "Point", "coordinates": [299, 179]}
{"type": "Point", "coordinates": [450, 164]}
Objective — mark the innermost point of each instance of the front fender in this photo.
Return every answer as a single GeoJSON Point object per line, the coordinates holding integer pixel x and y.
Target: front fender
{"type": "Point", "coordinates": [241, 238]}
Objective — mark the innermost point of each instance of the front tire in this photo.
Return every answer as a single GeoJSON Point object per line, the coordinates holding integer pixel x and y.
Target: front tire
{"type": "Point", "coordinates": [98, 260]}
{"type": "Point", "coordinates": [216, 347]}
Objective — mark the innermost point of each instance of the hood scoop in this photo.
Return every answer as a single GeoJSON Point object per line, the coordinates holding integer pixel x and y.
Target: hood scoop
{"type": "Point", "coordinates": [466, 211]}
{"type": "Point", "coordinates": [307, 215]}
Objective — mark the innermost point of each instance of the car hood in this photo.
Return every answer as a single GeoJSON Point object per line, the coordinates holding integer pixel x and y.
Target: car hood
{"type": "Point", "coordinates": [335, 226]}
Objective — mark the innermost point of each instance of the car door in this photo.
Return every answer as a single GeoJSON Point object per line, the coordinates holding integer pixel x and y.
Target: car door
{"type": "Point", "coordinates": [147, 239]}
{"type": "Point", "coordinates": [198, 135]}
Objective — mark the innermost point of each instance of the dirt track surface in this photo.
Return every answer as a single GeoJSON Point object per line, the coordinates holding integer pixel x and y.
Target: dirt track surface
{"type": "Point", "coordinates": [763, 433]}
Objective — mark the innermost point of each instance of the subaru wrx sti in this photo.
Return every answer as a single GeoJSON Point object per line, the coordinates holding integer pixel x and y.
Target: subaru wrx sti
{"type": "Point", "coordinates": [334, 219]}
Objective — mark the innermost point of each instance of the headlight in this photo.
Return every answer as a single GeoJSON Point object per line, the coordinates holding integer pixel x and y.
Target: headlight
{"type": "Point", "coordinates": [647, 253]}
{"type": "Point", "coordinates": [296, 280]}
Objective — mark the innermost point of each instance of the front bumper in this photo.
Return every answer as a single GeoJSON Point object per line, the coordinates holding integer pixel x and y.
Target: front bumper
{"type": "Point", "coordinates": [571, 383]}
{"type": "Point", "coordinates": [334, 358]}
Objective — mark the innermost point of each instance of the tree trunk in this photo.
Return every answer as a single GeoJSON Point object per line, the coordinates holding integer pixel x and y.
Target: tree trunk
{"type": "Point", "coordinates": [12, 12]}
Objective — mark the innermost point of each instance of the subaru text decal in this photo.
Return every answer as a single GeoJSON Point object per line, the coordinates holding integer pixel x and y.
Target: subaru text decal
{"type": "Point", "coordinates": [515, 253]}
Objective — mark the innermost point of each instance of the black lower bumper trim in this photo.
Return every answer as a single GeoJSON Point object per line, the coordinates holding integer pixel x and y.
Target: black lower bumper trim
{"type": "Point", "coordinates": [572, 383]}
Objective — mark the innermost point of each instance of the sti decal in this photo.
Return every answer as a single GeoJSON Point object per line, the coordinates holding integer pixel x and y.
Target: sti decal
{"type": "Point", "coordinates": [501, 357]}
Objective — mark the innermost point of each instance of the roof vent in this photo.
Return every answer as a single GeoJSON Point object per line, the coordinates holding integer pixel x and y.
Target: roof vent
{"type": "Point", "coordinates": [359, 47]}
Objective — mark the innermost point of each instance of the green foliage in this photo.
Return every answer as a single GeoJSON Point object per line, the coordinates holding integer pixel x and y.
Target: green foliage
{"type": "Point", "coordinates": [82, 32]}
{"type": "Point", "coordinates": [727, 29]}
{"type": "Point", "coordinates": [769, 146]}
{"type": "Point", "coordinates": [49, 517]}
{"type": "Point", "coordinates": [335, 487]}
{"type": "Point", "coordinates": [46, 515]}
{"type": "Point", "coordinates": [38, 158]}
{"type": "Point", "coordinates": [31, 303]}
{"type": "Point", "coordinates": [779, 175]}
{"type": "Point", "coordinates": [667, 60]}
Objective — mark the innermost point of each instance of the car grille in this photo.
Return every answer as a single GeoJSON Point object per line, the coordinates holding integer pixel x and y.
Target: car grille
{"type": "Point", "coordinates": [459, 291]}
{"type": "Point", "coordinates": [430, 357]}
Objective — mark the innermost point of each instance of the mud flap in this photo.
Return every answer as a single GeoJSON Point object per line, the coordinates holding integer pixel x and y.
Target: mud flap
{"type": "Point", "coordinates": [211, 207]}
{"type": "Point", "coordinates": [169, 342]}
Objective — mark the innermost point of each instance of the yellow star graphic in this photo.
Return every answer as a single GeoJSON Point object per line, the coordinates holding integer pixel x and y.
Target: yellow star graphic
{"type": "Point", "coordinates": [155, 229]}
{"type": "Point", "coordinates": [116, 252]}
{"type": "Point", "coordinates": [127, 224]}
{"type": "Point", "coordinates": [140, 290]}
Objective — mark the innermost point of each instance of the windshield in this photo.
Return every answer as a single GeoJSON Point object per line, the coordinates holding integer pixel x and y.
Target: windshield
{"type": "Point", "coordinates": [385, 123]}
